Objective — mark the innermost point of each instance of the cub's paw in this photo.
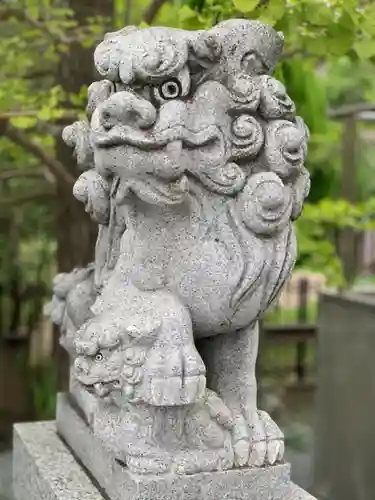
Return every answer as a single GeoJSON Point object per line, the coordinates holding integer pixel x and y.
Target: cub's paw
{"type": "Point", "coordinates": [174, 377]}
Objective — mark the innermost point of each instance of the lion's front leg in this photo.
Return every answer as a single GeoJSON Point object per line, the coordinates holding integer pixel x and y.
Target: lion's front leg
{"type": "Point", "coordinates": [230, 362]}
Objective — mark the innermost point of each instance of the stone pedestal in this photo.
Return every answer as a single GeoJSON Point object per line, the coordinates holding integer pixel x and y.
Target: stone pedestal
{"type": "Point", "coordinates": [240, 484]}
{"type": "Point", "coordinates": [45, 469]}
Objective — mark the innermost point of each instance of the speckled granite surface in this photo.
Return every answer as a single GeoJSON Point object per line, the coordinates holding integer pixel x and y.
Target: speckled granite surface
{"type": "Point", "coordinates": [298, 493]}
{"type": "Point", "coordinates": [271, 483]}
{"type": "Point", "coordinates": [44, 469]}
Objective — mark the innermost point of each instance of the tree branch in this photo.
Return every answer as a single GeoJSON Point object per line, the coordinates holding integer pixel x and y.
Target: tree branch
{"type": "Point", "coordinates": [7, 175]}
{"type": "Point", "coordinates": [7, 13]}
{"type": "Point", "coordinates": [350, 110]}
{"type": "Point", "coordinates": [152, 11]}
{"type": "Point", "coordinates": [56, 167]}
{"type": "Point", "coordinates": [27, 198]}
{"type": "Point", "coordinates": [128, 11]}
{"type": "Point", "coordinates": [293, 52]}
{"type": "Point", "coordinates": [6, 115]}
{"type": "Point", "coordinates": [32, 75]}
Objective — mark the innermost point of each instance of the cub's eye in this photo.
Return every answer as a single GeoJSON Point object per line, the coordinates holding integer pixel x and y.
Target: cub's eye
{"type": "Point", "coordinates": [170, 89]}
{"type": "Point", "coordinates": [99, 356]}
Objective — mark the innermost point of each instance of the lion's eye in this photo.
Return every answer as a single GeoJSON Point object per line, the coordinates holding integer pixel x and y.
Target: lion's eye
{"type": "Point", "coordinates": [173, 87]}
{"type": "Point", "coordinates": [99, 356]}
{"type": "Point", "coordinates": [170, 89]}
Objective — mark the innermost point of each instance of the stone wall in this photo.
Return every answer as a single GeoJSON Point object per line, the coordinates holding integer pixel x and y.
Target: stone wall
{"type": "Point", "coordinates": [345, 435]}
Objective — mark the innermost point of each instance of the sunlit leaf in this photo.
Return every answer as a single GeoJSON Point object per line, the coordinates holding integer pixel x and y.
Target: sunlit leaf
{"type": "Point", "coordinates": [24, 122]}
{"type": "Point", "coordinates": [246, 5]}
{"type": "Point", "coordinates": [365, 48]}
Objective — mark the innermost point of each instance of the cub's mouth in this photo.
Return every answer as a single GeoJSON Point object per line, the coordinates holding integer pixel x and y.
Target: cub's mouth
{"type": "Point", "coordinates": [103, 388]}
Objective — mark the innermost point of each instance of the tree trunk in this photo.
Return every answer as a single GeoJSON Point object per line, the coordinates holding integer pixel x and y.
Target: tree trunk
{"type": "Point", "coordinates": [75, 232]}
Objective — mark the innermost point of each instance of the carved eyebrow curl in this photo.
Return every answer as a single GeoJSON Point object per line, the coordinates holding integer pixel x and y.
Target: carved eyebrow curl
{"type": "Point", "coordinates": [146, 55]}
{"type": "Point", "coordinates": [86, 348]}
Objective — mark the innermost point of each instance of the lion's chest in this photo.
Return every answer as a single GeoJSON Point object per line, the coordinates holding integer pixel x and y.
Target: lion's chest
{"type": "Point", "coordinates": [202, 266]}
{"type": "Point", "coordinates": [183, 255]}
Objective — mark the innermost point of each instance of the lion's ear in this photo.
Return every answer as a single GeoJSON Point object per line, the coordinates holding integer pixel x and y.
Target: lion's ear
{"type": "Point", "coordinates": [205, 49]}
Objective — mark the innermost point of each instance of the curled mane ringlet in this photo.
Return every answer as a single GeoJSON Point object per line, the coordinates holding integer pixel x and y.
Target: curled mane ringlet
{"type": "Point", "coordinates": [108, 53]}
{"type": "Point", "coordinates": [101, 332]}
{"type": "Point", "coordinates": [148, 54]}
{"type": "Point", "coordinates": [205, 49]}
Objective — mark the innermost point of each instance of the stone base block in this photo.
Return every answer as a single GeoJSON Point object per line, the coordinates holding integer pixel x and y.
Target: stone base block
{"type": "Point", "coordinates": [45, 469]}
{"type": "Point", "coordinates": [114, 478]}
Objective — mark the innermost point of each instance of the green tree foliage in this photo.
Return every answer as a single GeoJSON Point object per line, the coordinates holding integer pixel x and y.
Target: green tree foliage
{"type": "Point", "coordinates": [318, 232]}
{"type": "Point", "coordinates": [36, 36]}
{"type": "Point", "coordinates": [328, 62]}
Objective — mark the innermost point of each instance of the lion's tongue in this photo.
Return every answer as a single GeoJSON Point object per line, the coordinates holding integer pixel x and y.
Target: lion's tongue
{"type": "Point", "coordinates": [174, 150]}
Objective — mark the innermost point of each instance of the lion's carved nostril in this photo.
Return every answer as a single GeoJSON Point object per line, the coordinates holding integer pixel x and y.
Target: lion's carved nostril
{"type": "Point", "coordinates": [126, 108]}
{"type": "Point", "coordinates": [106, 120]}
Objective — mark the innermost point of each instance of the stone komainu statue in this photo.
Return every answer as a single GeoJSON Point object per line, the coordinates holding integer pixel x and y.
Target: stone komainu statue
{"type": "Point", "coordinates": [192, 166]}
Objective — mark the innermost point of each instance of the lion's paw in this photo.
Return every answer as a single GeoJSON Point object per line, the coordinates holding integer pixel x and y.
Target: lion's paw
{"type": "Point", "coordinates": [257, 440]}
{"type": "Point", "coordinates": [267, 441]}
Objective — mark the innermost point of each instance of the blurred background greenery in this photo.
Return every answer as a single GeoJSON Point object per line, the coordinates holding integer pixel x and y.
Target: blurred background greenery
{"type": "Point", "coordinates": [46, 65]}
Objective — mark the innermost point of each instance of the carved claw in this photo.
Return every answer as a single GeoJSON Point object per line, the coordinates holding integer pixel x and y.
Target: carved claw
{"type": "Point", "coordinates": [175, 377]}
{"type": "Point", "coordinates": [257, 440]}
{"type": "Point", "coordinates": [241, 441]}
{"type": "Point", "coordinates": [267, 441]}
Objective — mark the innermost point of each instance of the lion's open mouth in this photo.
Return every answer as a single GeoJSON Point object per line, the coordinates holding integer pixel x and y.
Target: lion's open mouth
{"type": "Point", "coordinates": [202, 154]}
{"type": "Point", "coordinates": [125, 135]}
{"type": "Point", "coordinates": [153, 190]}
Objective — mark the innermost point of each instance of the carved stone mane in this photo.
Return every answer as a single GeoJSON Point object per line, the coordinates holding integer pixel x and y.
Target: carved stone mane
{"type": "Point", "coordinates": [192, 166]}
